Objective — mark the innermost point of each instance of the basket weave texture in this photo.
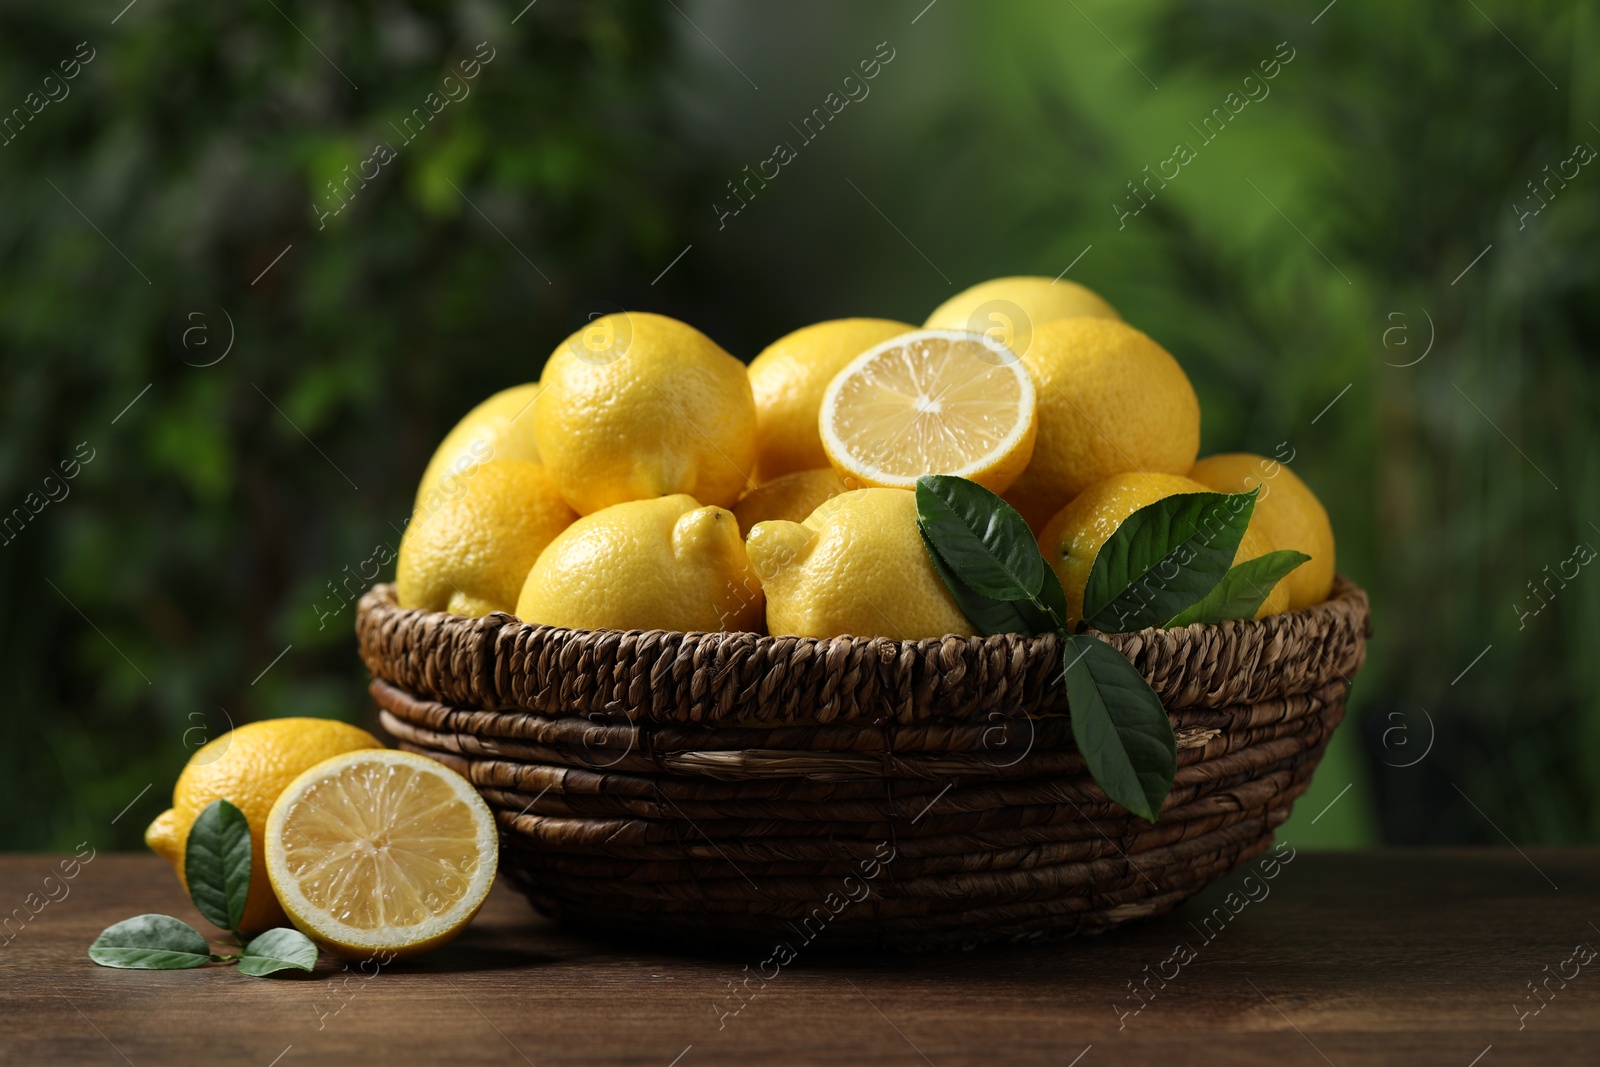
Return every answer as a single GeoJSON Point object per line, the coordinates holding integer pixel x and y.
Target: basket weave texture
{"type": "Point", "coordinates": [853, 791]}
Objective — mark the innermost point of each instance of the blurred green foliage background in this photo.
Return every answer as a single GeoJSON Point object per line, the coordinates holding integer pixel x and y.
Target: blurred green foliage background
{"type": "Point", "coordinates": [1367, 260]}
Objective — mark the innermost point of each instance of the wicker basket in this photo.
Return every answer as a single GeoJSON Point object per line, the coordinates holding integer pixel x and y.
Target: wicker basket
{"type": "Point", "coordinates": [853, 791]}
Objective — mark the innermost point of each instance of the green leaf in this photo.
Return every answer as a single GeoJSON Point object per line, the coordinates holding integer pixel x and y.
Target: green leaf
{"type": "Point", "coordinates": [1053, 597]}
{"type": "Point", "coordinates": [1119, 726]}
{"type": "Point", "coordinates": [152, 943]}
{"type": "Point", "coordinates": [216, 863]}
{"type": "Point", "coordinates": [1164, 558]}
{"type": "Point", "coordinates": [1242, 589]}
{"type": "Point", "coordinates": [992, 616]}
{"type": "Point", "coordinates": [278, 950]}
{"type": "Point", "coordinates": [981, 537]}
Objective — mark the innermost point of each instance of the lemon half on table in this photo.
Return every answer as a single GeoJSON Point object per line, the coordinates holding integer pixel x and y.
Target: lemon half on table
{"type": "Point", "coordinates": [381, 851]}
{"type": "Point", "coordinates": [930, 402]}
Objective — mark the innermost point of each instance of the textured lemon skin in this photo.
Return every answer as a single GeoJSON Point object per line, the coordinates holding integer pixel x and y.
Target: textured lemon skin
{"type": "Point", "coordinates": [790, 497]}
{"type": "Point", "coordinates": [788, 379]}
{"type": "Point", "coordinates": [470, 555]}
{"type": "Point", "coordinates": [661, 564]}
{"type": "Point", "coordinates": [653, 409]}
{"type": "Point", "coordinates": [1072, 539]}
{"type": "Point", "coordinates": [249, 767]}
{"type": "Point", "coordinates": [983, 307]}
{"type": "Point", "coordinates": [1287, 511]}
{"type": "Point", "coordinates": [1110, 400]}
{"type": "Point", "coordinates": [499, 428]}
{"type": "Point", "coordinates": [375, 948]}
{"type": "Point", "coordinates": [856, 565]}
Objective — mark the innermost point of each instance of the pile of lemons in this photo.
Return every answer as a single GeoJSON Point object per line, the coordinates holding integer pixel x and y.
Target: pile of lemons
{"type": "Point", "coordinates": [650, 480]}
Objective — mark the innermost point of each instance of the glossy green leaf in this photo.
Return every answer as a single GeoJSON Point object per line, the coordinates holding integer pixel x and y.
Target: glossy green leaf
{"type": "Point", "coordinates": [280, 949]}
{"type": "Point", "coordinates": [1119, 726]}
{"type": "Point", "coordinates": [982, 539]}
{"type": "Point", "coordinates": [216, 864]}
{"type": "Point", "coordinates": [1164, 558]}
{"type": "Point", "coordinates": [1053, 598]}
{"type": "Point", "coordinates": [1242, 589]}
{"type": "Point", "coordinates": [152, 943]}
{"type": "Point", "coordinates": [988, 615]}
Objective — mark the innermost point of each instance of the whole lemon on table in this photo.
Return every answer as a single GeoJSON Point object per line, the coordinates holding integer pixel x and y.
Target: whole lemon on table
{"type": "Point", "coordinates": [792, 496]}
{"type": "Point", "coordinates": [857, 565]}
{"type": "Point", "coordinates": [660, 564]}
{"type": "Point", "coordinates": [637, 405]}
{"type": "Point", "coordinates": [249, 767]}
{"type": "Point", "coordinates": [1287, 511]}
{"type": "Point", "coordinates": [470, 555]}
{"type": "Point", "coordinates": [1072, 539]}
{"type": "Point", "coordinates": [789, 377]}
{"type": "Point", "coordinates": [1110, 400]}
{"type": "Point", "coordinates": [1009, 309]}
{"type": "Point", "coordinates": [499, 428]}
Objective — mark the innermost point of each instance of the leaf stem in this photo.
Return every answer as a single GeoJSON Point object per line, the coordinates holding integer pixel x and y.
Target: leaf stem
{"type": "Point", "coordinates": [1050, 613]}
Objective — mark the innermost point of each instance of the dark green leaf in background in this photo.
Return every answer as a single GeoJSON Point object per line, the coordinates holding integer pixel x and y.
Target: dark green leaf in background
{"type": "Point", "coordinates": [1164, 558]}
{"type": "Point", "coordinates": [1119, 726]}
{"type": "Point", "coordinates": [280, 949]}
{"type": "Point", "coordinates": [151, 942]}
{"type": "Point", "coordinates": [216, 863]}
{"type": "Point", "coordinates": [1242, 589]}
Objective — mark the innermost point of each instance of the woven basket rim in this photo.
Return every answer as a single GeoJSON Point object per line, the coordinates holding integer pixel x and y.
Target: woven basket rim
{"type": "Point", "coordinates": [1344, 595]}
{"type": "Point", "coordinates": [721, 679]}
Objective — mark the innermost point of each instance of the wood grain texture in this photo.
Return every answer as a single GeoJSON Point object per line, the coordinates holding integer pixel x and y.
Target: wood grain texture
{"type": "Point", "coordinates": [1388, 957]}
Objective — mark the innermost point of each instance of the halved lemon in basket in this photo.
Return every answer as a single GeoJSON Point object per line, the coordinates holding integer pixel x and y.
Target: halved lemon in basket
{"type": "Point", "coordinates": [381, 851]}
{"type": "Point", "coordinates": [930, 402]}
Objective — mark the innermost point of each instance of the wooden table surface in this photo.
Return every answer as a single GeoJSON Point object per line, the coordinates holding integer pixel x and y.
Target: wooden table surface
{"type": "Point", "coordinates": [1404, 957]}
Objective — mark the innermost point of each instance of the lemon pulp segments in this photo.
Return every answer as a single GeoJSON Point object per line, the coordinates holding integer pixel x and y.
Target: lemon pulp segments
{"type": "Point", "coordinates": [381, 849]}
{"type": "Point", "coordinates": [930, 402]}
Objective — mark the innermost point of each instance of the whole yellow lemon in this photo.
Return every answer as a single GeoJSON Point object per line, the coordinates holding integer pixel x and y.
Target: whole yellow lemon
{"type": "Point", "coordinates": [789, 378]}
{"type": "Point", "coordinates": [856, 565]}
{"type": "Point", "coordinates": [1071, 540]}
{"type": "Point", "coordinates": [791, 496]}
{"type": "Point", "coordinates": [660, 564]}
{"type": "Point", "coordinates": [470, 555]}
{"type": "Point", "coordinates": [499, 428]}
{"type": "Point", "coordinates": [636, 405]}
{"type": "Point", "coordinates": [1110, 400]}
{"type": "Point", "coordinates": [1288, 512]}
{"type": "Point", "coordinates": [249, 767]}
{"type": "Point", "coordinates": [1010, 309]}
